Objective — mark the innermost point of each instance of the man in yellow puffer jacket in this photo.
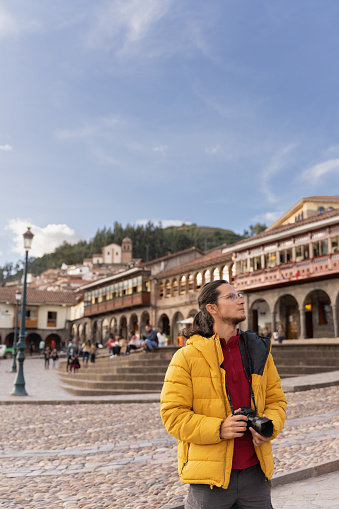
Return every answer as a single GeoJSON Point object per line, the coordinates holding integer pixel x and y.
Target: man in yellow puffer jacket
{"type": "Point", "coordinates": [219, 370]}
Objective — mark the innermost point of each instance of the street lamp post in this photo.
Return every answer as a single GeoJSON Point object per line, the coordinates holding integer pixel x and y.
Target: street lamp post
{"type": "Point", "coordinates": [19, 384]}
{"type": "Point", "coordinates": [18, 299]}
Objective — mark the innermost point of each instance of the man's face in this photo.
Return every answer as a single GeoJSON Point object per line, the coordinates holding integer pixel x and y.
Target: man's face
{"type": "Point", "coordinates": [230, 307]}
{"type": "Point", "coordinates": [148, 328]}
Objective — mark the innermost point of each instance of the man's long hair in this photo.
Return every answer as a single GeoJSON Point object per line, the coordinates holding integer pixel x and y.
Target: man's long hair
{"type": "Point", "coordinates": [203, 321]}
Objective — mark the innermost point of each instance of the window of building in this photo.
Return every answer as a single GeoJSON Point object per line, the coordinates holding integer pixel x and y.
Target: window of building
{"type": "Point", "coordinates": [182, 285]}
{"type": "Point", "coordinates": [161, 290]}
{"type": "Point", "coordinates": [168, 288]}
{"type": "Point", "coordinates": [321, 210]}
{"type": "Point", "coordinates": [51, 318]}
{"type": "Point", "coordinates": [216, 274]}
{"type": "Point", "coordinates": [241, 266]}
{"type": "Point", "coordinates": [323, 312]}
{"type": "Point", "coordinates": [198, 281]}
{"type": "Point", "coordinates": [174, 287]}
{"type": "Point", "coordinates": [225, 273]}
{"type": "Point", "coordinates": [207, 276]}
{"type": "Point", "coordinates": [255, 263]}
{"type": "Point", "coordinates": [302, 252]}
{"type": "Point", "coordinates": [334, 244]}
{"type": "Point", "coordinates": [190, 283]}
{"type": "Point", "coordinates": [270, 260]}
{"type": "Point", "coordinates": [285, 256]}
{"type": "Point", "coordinates": [320, 248]}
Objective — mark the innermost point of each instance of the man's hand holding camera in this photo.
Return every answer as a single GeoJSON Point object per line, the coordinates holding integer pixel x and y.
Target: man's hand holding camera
{"type": "Point", "coordinates": [234, 426]}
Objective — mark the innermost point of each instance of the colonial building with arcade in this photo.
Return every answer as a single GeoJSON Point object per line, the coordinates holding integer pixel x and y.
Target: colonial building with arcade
{"type": "Point", "coordinates": [288, 274]}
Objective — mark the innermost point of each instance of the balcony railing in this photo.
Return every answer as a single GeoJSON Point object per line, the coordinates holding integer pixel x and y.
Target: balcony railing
{"type": "Point", "coordinates": [127, 301]}
{"type": "Point", "coordinates": [282, 274]}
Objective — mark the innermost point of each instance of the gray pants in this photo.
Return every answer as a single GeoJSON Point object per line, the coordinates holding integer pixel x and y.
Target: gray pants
{"type": "Point", "coordinates": [247, 489]}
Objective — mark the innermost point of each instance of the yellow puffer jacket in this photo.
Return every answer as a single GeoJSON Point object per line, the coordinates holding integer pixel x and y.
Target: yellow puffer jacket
{"type": "Point", "coordinates": [194, 404]}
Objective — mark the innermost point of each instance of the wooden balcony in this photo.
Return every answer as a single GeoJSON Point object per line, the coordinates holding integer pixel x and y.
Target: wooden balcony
{"type": "Point", "coordinates": [119, 303]}
{"type": "Point", "coordinates": [322, 266]}
{"type": "Point", "coordinates": [29, 324]}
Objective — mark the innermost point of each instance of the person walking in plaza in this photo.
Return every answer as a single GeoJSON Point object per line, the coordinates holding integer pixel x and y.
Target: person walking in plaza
{"type": "Point", "coordinates": [221, 369]}
{"type": "Point", "coordinates": [54, 357]}
{"type": "Point", "coordinates": [151, 339]}
{"type": "Point", "coordinates": [47, 356]}
{"type": "Point", "coordinates": [93, 353]}
{"type": "Point", "coordinates": [86, 351]}
{"type": "Point", "coordinates": [281, 334]}
{"type": "Point", "coordinates": [42, 347]}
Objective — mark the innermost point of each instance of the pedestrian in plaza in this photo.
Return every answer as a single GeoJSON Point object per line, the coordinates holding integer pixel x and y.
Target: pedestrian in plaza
{"type": "Point", "coordinates": [221, 369]}
{"type": "Point", "coordinates": [53, 344]}
{"type": "Point", "coordinates": [93, 353]}
{"type": "Point", "coordinates": [150, 339]}
{"type": "Point", "coordinates": [54, 357]}
{"type": "Point", "coordinates": [110, 344]}
{"type": "Point", "coordinates": [281, 334]}
{"type": "Point", "coordinates": [133, 342]}
{"type": "Point", "coordinates": [86, 352]}
{"type": "Point", "coordinates": [47, 356]}
{"type": "Point", "coordinates": [42, 347]}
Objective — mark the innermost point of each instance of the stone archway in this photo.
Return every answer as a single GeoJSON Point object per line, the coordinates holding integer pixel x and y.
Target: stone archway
{"type": "Point", "coordinates": [145, 320]}
{"type": "Point", "coordinates": [287, 315]}
{"type": "Point", "coordinates": [176, 328]}
{"type": "Point", "coordinates": [9, 339]}
{"type": "Point", "coordinates": [54, 337]}
{"type": "Point", "coordinates": [318, 315]}
{"type": "Point", "coordinates": [114, 325]}
{"type": "Point", "coordinates": [164, 324]}
{"type": "Point", "coordinates": [133, 323]}
{"type": "Point", "coordinates": [35, 339]}
{"type": "Point", "coordinates": [260, 318]}
{"type": "Point", "coordinates": [123, 327]}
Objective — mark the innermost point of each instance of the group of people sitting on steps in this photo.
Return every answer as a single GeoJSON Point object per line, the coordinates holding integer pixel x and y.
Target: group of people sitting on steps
{"type": "Point", "coordinates": [148, 342]}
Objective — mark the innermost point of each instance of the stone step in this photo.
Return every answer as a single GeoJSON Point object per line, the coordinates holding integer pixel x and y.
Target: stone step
{"type": "Point", "coordinates": [79, 391]}
{"type": "Point", "coordinates": [109, 377]}
{"type": "Point", "coordinates": [307, 362]}
{"type": "Point", "coordinates": [119, 385]}
{"type": "Point", "coordinates": [304, 370]}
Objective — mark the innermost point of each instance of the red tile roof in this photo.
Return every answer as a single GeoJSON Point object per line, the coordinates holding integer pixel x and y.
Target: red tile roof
{"type": "Point", "coordinates": [38, 296]}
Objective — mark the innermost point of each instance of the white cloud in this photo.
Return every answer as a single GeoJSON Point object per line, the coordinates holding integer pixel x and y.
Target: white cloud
{"type": "Point", "coordinates": [212, 150]}
{"type": "Point", "coordinates": [122, 24]}
{"type": "Point", "coordinates": [319, 170]}
{"type": "Point", "coordinates": [160, 148]}
{"type": "Point", "coordinates": [45, 240]}
{"type": "Point", "coordinates": [11, 26]}
{"type": "Point", "coordinates": [268, 217]}
{"type": "Point", "coordinates": [98, 127]}
{"type": "Point", "coordinates": [278, 163]}
{"type": "Point", "coordinates": [165, 223]}
{"type": "Point", "coordinates": [6, 148]}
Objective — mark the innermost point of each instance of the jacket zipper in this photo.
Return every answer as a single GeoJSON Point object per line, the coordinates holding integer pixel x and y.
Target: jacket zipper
{"type": "Point", "coordinates": [223, 393]}
{"type": "Point", "coordinates": [261, 454]}
{"type": "Point", "coordinates": [188, 450]}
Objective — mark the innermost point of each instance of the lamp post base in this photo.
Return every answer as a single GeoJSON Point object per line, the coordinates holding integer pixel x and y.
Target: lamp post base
{"type": "Point", "coordinates": [19, 384]}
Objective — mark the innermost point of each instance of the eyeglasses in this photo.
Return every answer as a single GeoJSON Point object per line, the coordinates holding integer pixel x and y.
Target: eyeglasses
{"type": "Point", "coordinates": [232, 296]}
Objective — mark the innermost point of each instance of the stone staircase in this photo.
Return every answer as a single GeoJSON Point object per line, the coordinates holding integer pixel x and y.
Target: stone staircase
{"type": "Point", "coordinates": [141, 373]}
{"type": "Point", "coordinates": [297, 360]}
{"type": "Point", "coordinates": [137, 373]}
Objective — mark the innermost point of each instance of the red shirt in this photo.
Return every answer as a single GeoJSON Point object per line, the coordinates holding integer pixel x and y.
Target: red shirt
{"type": "Point", "coordinates": [238, 388]}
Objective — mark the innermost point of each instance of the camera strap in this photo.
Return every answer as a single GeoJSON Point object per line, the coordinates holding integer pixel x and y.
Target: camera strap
{"type": "Point", "coordinates": [246, 366]}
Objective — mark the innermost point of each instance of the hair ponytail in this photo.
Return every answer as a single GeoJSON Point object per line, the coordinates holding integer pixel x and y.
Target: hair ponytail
{"type": "Point", "coordinates": [203, 321]}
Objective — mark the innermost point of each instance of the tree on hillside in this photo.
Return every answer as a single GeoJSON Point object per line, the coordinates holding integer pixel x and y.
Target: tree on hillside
{"type": "Point", "coordinates": [254, 229]}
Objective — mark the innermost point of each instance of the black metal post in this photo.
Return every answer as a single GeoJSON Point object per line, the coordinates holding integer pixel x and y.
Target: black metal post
{"type": "Point", "coordinates": [19, 384]}
{"type": "Point", "coordinates": [13, 370]}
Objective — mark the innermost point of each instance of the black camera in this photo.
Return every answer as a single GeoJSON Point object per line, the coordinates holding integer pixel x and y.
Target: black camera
{"type": "Point", "coordinates": [261, 425]}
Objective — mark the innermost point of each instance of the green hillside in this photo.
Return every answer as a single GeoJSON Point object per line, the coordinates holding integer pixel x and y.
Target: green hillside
{"type": "Point", "coordinates": [149, 242]}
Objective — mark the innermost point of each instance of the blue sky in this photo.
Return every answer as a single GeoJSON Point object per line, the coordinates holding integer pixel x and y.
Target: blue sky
{"type": "Point", "coordinates": [221, 113]}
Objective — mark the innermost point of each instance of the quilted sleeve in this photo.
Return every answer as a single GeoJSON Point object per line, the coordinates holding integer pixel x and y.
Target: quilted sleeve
{"type": "Point", "coordinates": [176, 406]}
{"type": "Point", "coordinates": [275, 403]}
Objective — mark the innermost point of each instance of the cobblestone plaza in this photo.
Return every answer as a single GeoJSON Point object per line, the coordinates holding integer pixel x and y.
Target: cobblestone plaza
{"type": "Point", "coordinates": [120, 456]}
